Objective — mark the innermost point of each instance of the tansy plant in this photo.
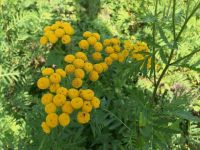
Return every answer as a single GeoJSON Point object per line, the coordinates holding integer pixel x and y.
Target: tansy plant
{"type": "Point", "coordinates": [94, 57]}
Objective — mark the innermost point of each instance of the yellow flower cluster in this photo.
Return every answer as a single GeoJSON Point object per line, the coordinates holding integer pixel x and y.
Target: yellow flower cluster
{"type": "Point", "coordinates": [59, 29]}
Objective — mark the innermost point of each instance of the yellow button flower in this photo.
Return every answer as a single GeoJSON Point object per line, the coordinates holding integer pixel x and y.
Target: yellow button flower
{"type": "Point", "coordinates": [81, 55]}
{"type": "Point", "coordinates": [109, 50]}
{"type": "Point", "coordinates": [54, 26]}
{"type": "Point", "coordinates": [98, 46]}
{"type": "Point", "coordinates": [95, 102]}
{"type": "Point", "coordinates": [61, 72]}
{"type": "Point", "coordinates": [53, 87]}
{"type": "Point", "coordinates": [50, 108]}
{"type": "Point", "coordinates": [68, 29]}
{"type": "Point", "coordinates": [47, 71]}
{"type": "Point", "coordinates": [87, 94]}
{"type": "Point", "coordinates": [59, 32]}
{"type": "Point", "coordinates": [47, 28]}
{"type": "Point", "coordinates": [59, 99]}
{"type": "Point", "coordinates": [66, 39]}
{"type": "Point", "coordinates": [64, 119]}
{"type": "Point", "coordinates": [115, 41]}
{"type": "Point", "coordinates": [121, 57]}
{"type": "Point", "coordinates": [77, 82]}
{"type": "Point", "coordinates": [106, 42]}
{"type": "Point", "coordinates": [62, 90]}
{"type": "Point", "coordinates": [43, 40]}
{"type": "Point", "coordinates": [88, 67]}
{"type": "Point", "coordinates": [45, 128]}
{"type": "Point", "coordinates": [96, 56]}
{"type": "Point", "coordinates": [52, 120]}
{"type": "Point", "coordinates": [114, 56]}
{"type": "Point", "coordinates": [52, 38]}
{"type": "Point", "coordinates": [105, 66]}
{"type": "Point", "coordinates": [108, 60]}
{"type": "Point", "coordinates": [69, 68]}
{"type": "Point", "coordinates": [83, 44]}
{"type": "Point", "coordinates": [87, 106]}
{"type": "Point", "coordinates": [47, 98]}
{"type": "Point", "coordinates": [83, 117]}
{"type": "Point", "coordinates": [96, 35]}
{"type": "Point", "coordinates": [43, 83]}
{"type": "Point", "coordinates": [77, 102]}
{"type": "Point", "coordinates": [93, 76]}
{"type": "Point", "coordinates": [67, 107]}
{"type": "Point", "coordinates": [69, 58]}
{"type": "Point", "coordinates": [79, 73]}
{"type": "Point", "coordinates": [92, 40]}
{"type": "Point", "coordinates": [55, 78]}
{"type": "Point", "coordinates": [87, 34]}
{"type": "Point", "coordinates": [78, 63]}
{"type": "Point", "coordinates": [98, 68]}
{"type": "Point", "coordinates": [117, 48]}
{"type": "Point", "coordinates": [73, 93]}
{"type": "Point", "coordinates": [125, 53]}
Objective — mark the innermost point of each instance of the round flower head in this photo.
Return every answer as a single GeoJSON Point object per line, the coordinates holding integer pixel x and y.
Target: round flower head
{"type": "Point", "coordinates": [68, 29]}
{"type": "Point", "coordinates": [117, 48]}
{"type": "Point", "coordinates": [47, 71]}
{"type": "Point", "coordinates": [87, 34]}
{"type": "Point", "coordinates": [47, 28]}
{"type": "Point", "coordinates": [64, 119]}
{"type": "Point", "coordinates": [83, 44]}
{"type": "Point", "coordinates": [53, 87]}
{"type": "Point", "coordinates": [55, 78]}
{"type": "Point", "coordinates": [87, 94]}
{"type": "Point", "coordinates": [105, 66]}
{"type": "Point", "coordinates": [78, 63]}
{"type": "Point", "coordinates": [67, 107]}
{"type": "Point", "coordinates": [73, 93]}
{"type": "Point", "coordinates": [114, 56]}
{"type": "Point", "coordinates": [66, 39]}
{"type": "Point", "coordinates": [83, 117]}
{"type": "Point", "coordinates": [48, 33]}
{"type": "Point", "coordinates": [98, 68]}
{"type": "Point", "coordinates": [109, 50]}
{"type": "Point", "coordinates": [52, 38]}
{"type": "Point", "coordinates": [59, 99]}
{"type": "Point", "coordinates": [79, 73]}
{"type": "Point", "coordinates": [69, 68]}
{"type": "Point", "coordinates": [52, 120]}
{"type": "Point", "coordinates": [115, 41]}
{"type": "Point", "coordinates": [61, 72]}
{"type": "Point", "coordinates": [125, 53]}
{"type": "Point", "coordinates": [88, 67]}
{"type": "Point", "coordinates": [54, 26]}
{"type": "Point", "coordinates": [81, 55]}
{"type": "Point", "coordinates": [96, 35]}
{"type": "Point", "coordinates": [45, 128]}
{"type": "Point", "coordinates": [108, 60]}
{"type": "Point", "coordinates": [106, 42]}
{"type": "Point", "coordinates": [50, 108]}
{"type": "Point", "coordinates": [62, 90]}
{"type": "Point", "coordinates": [43, 83]}
{"type": "Point", "coordinates": [93, 76]}
{"type": "Point", "coordinates": [95, 102]}
{"type": "Point", "coordinates": [47, 98]}
{"type": "Point", "coordinates": [87, 106]}
{"type": "Point", "coordinates": [69, 58]}
{"type": "Point", "coordinates": [77, 83]}
{"type": "Point", "coordinates": [98, 46]}
{"type": "Point", "coordinates": [59, 23]}
{"type": "Point", "coordinates": [77, 102]}
{"type": "Point", "coordinates": [121, 57]}
{"type": "Point", "coordinates": [59, 32]}
{"type": "Point", "coordinates": [138, 57]}
{"type": "Point", "coordinates": [43, 40]}
{"type": "Point", "coordinates": [96, 56]}
{"type": "Point", "coordinates": [92, 40]}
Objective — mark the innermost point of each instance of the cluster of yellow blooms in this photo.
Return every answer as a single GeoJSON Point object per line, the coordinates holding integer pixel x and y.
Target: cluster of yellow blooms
{"type": "Point", "coordinates": [62, 30]}
{"type": "Point", "coordinates": [60, 102]}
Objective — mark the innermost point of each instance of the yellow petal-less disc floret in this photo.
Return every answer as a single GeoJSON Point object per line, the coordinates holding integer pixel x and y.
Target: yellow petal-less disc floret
{"type": "Point", "coordinates": [43, 40]}
{"type": "Point", "coordinates": [88, 67]}
{"type": "Point", "coordinates": [53, 87]}
{"type": "Point", "coordinates": [45, 128]}
{"type": "Point", "coordinates": [93, 76]}
{"type": "Point", "coordinates": [47, 71]}
{"type": "Point", "coordinates": [50, 108]}
{"type": "Point", "coordinates": [87, 94]}
{"type": "Point", "coordinates": [114, 56]}
{"type": "Point", "coordinates": [96, 56]}
{"type": "Point", "coordinates": [83, 44]}
{"type": "Point", "coordinates": [96, 35]}
{"type": "Point", "coordinates": [105, 66]}
{"type": "Point", "coordinates": [92, 40]}
{"type": "Point", "coordinates": [98, 46]}
{"type": "Point", "coordinates": [108, 60]}
{"type": "Point", "coordinates": [109, 50]}
{"type": "Point", "coordinates": [125, 53]}
{"type": "Point", "coordinates": [87, 34]}
{"type": "Point", "coordinates": [48, 33]}
{"type": "Point", "coordinates": [66, 39]}
{"type": "Point", "coordinates": [78, 63]}
{"type": "Point", "coordinates": [54, 26]}
{"type": "Point", "coordinates": [43, 83]}
{"type": "Point", "coordinates": [59, 32]}
{"type": "Point", "coordinates": [87, 106]}
{"type": "Point", "coordinates": [115, 41]}
{"type": "Point", "coordinates": [77, 82]}
{"type": "Point", "coordinates": [69, 68]}
{"type": "Point", "coordinates": [55, 78]}
{"type": "Point", "coordinates": [47, 28]}
{"type": "Point", "coordinates": [81, 55]}
{"type": "Point", "coordinates": [121, 57]}
{"type": "Point", "coordinates": [73, 93]}
{"type": "Point", "coordinates": [61, 72]}
{"type": "Point", "coordinates": [69, 30]}
{"type": "Point", "coordinates": [117, 48]}
{"type": "Point", "coordinates": [52, 38]}
{"type": "Point", "coordinates": [52, 120]}
{"type": "Point", "coordinates": [67, 107]}
{"type": "Point", "coordinates": [47, 98]}
{"type": "Point", "coordinates": [77, 103]}
{"type": "Point", "coordinates": [79, 73]}
{"type": "Point", "coordinates": [95, 102]}
{"type": "Point", "coordinates": [106, 42]}
{"type": "Point", "coordinates": [59, 99]}
{"type": "Point", "coordinates": [69, 58]}
{"type": "Point", "coordinates": [64, 119]}
{"type": "Point", "coordinates": [98, 68]}
{"type": "Point", "coordinates": [83, 117]}
{"type": "Point", "coordinates": [62, 90]}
